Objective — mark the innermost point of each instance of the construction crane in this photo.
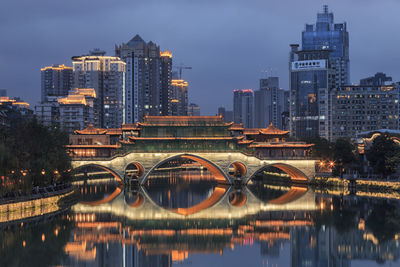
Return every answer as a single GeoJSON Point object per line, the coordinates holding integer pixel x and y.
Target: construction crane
{"type": "Point", "coordinates": [180, 68]}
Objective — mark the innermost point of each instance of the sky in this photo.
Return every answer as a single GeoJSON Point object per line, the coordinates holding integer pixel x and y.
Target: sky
{"type": "Point", "coordinates": [230, 44]}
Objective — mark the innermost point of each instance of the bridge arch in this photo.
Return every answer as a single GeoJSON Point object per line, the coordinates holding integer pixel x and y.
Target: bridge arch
{"type": "Point", "coordinates": [115, 174]}
{"type": "Point", "coordinates": [131, 167]}
{"type": "Point", "coordinates": [237, 169]}
{"type": "Point", "coordinates": [213, 168]}
{"type": "Point", "coordinates": [294, 173]}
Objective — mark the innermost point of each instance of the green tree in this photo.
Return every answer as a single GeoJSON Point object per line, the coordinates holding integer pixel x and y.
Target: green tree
{"type": "Point", "coordinates": [384, 155]}
{"type": "Point", "coordinates": [343, 154]}
{"type": "Point", "coordinates": [322, 148]}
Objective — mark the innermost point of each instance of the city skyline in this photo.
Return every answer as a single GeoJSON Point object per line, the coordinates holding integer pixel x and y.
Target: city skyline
{"type": "Point", "coordinates": [226, 51]}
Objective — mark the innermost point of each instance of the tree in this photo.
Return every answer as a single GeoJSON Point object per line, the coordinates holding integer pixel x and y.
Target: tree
{"type": "Point", "coordinates": [384, 155]}
{"type": "Point", "coordinates": [343, 154]}
{"type": "Point", "coordinates": [322, 148]}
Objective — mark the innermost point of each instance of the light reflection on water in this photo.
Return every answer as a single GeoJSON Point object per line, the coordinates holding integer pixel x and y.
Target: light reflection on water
{"type": "Point", "coordinates": [347, 231]}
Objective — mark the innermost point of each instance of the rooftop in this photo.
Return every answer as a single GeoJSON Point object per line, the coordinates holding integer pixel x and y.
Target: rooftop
{"type": "Point", "coordinates": [184, 121]}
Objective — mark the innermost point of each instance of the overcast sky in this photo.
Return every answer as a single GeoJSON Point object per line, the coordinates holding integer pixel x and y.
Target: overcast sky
{"type": "Point", "coordinates": [229, 43]}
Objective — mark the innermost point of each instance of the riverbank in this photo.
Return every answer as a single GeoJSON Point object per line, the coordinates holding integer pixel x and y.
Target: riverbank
{"type": "Point", "coordinates": [28, 207]}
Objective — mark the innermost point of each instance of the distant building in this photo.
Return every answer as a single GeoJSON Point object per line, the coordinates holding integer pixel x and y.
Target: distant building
{"type": "Point", "coordinates": [148, 79]}
{"type": "Point", "coordinates": [357, 109]}
{"type": "Point", "coordinates": [269, 103]}
{"type": "Point", "coordinates": [327, 35]}
{"type": "Point", "coordinates": [106, 75]}
{"type": "Point", "coordinates": [311, 81]}
{"type": "Point", "coordinates": [378, 79]}
{"type": "Point", "coordinates": [243, 107]}
{"type": "Point", "coordinates": [193, 110]}
{"type": "Point", "coordinates": [286, 111]}
{"type": "Point", "coordinates": [73, 112]}
{"type": "Point", "coordinates": [226, 114]}
{"type": "Point", "coordinates": [13, 110]}
{"type": "Point", "coordinates": [57, 80]}
{"type": "Point", "coordinates": [179, 98]}
{"type": "Point", "coordinates": [3, 92]}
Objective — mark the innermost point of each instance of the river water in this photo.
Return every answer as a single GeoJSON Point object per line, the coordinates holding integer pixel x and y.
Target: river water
{"type": "Point", "coordinates": [183, 217]}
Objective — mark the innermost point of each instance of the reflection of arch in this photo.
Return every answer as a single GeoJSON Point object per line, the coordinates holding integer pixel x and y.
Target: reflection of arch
{"type": "Point", "coordinates": [238, 199]}
{"type": "Point", "coordinates": [215, 171]}
{"type": "Point", "coordinates": [139, 168]}
{"type": "Point", "coordinates": [116, 176]}
{"type": "Point", "coordinates": [239, 169]}
{"type": "Point", "coordinates": [294, 193]}
{"type": "Point", "coordinates": [295, 174]}
{"type": "Point", "coordinates": [107, 199]}
{"type": "Point", "coordinates": [219, 191]}
{"type": "Point", "coordinates": [138, 202]}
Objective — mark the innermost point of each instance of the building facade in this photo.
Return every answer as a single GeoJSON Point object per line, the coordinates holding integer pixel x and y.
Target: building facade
{"type": "Point", "coordinates": [193, 110]}
{"type": "Point", "coordinates": [357, 109]}
{"type": "Point", "coordinates": [327, 35]}
{"type": "Point", "coordinates": [179, 98]}
{"type": "Point", "coordinates": [311, 81]}
{"type": "Point", "coordinates": [269, 103]}
{"type": "Point", "coordinates": [107, 76]}
{"type": "Point", "coordinates": [243, 107]}
{"type": "Point", "coordinates": [56, 80]}
{"type": "Point", "coordinates": [148, 78]}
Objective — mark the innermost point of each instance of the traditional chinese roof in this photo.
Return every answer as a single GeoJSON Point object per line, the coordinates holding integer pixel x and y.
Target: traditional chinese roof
{"type": "Point", "coordinates": [205, 138]}
{"type": "Point", "coordinates": [117, 131]}
{"type": "Point", "coordinates": [184, 121]}
{"type": "Point", "coordinates": [237, 127]}
{"type": "Point", "coordinates": [93, 146]}
{"type": "Point", "coordinates": [128, 127]}
{"type": "Point", "coordinates": [271, 129]}
{"type": "Point", "coordinates": [282, 145]}
{"type": "Point", "coordinates": [91, 130]}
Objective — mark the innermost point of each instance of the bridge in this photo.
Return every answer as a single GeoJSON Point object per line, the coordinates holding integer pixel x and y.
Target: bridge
{"type": "Point", "coordinates": [220, 164]}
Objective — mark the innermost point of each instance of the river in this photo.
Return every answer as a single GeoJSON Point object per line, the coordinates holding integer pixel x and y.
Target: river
{"type": "Point", "coordinates": [183, 217]}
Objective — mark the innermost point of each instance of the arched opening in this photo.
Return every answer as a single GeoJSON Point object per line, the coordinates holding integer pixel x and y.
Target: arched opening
{"type": "Point", "coordinates": [134, 170]}
{"type": "Point", "coordinates": [237, 198]}
{"type": "Point", "coordinates": [185, 184]}
{"type": "Point", "coordinates": [237, 170]}
{"type": "Point", "coordinates": [133, 199]}
{"type": "Point", "coordinates": [274, 184]}
{"type": "Point", "coordinates": [96, 184]}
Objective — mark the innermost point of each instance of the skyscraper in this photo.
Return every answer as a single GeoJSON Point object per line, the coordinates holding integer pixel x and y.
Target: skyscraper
{"type": "Point", "coordinates": [56, 81]}
{"type": "Point", "coordinates": [327, 35]}
{"type": "Point", "coordinates": [243, 107]}
{"type": "Point", "coordinates": [107, 76]}
{"type": "Point", "coordinates": [193, 110]}
{"type": "Point", "coordinates": [311, 81]}
{"type": "Point", "coordinates": [148, 78]}
{"type": "Point", "coordinates": [268, 103]}
{"type": "Point", "coordinates": [179, 98]}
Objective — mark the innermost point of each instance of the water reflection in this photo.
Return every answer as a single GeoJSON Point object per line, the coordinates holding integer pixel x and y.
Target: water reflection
{"type": "Point", "coordinates": [115, 226]}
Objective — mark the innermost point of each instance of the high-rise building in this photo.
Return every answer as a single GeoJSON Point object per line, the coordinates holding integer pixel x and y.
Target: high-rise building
{"type": "Point", "coordinates": [268, 103]}
{"type": "Point", "coordinates": [363, 108]}
{"type": "Point", "coordinates": [56, 81]}
{"type": "Point", "coordinates": [327, 35]}
{"type": "Point", "coordinates": [3, 92]}
{"type": "Point", "coordinates": [226, 114]}
{"type": "Point", "coordinates": [148, 78]}
{"type": "Point", "coordinates": [179, 98]}
{"type": "Point", "coordinates": [311, 81]}
{"type": "Point", "coordinates": [243, 107]}
{"type": "Point", "coordinates": [378, 79]}
{"type": "Point", "coordinates": [107, 76]}
{"type": "Point", "coordinates": [193, 110]}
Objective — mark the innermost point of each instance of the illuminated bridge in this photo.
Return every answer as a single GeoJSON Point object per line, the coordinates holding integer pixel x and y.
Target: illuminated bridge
{"type": "Point", "coordinates": [219, 164]}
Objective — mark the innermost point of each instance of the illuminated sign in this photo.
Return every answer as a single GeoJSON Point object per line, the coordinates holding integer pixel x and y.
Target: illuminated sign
{"type": "Point", "coordinates": [309, 64]}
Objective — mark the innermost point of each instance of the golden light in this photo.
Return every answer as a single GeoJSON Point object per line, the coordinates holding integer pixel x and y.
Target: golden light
{"type": "Point", "coordinates": [321, 164]}
{"type": "Point", "coordinates": [56, 232]}
{"type": "Point", "coordinates": [43, 172]}
{"type": "Point", "coordinates": [331, 207]}
{"type": "Point", "coordinates": [322, 205]}
{"type": "Point", "coordinates": [43, 237]}
{"type": "Point", "coordinates": [331, 163]}
{"type": "Point", "coordinates": [23, 243]}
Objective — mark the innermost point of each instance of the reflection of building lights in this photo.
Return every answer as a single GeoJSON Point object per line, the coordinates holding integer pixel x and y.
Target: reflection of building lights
{"type": "Point", "coordinates": [43, 237]}
{"type": "Point", "coordinates": [331, 207]}
{"type": "Point", "coordinates": [24, 243]}
{"type": "Point", "coordinates": [56, 232]}
{"type": "Point", "coordinates": [322, 205]}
